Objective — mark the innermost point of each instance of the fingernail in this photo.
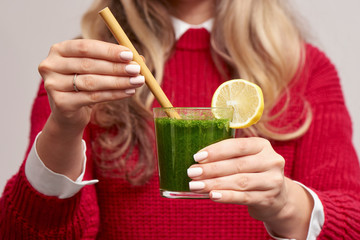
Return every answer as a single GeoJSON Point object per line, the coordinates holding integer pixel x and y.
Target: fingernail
{"type": "Point", "coordinates": [132, 69]}
{"type": "Point", "coordinates": [130, 91]}
{"type": "Point", "coordinates": [126, 55]}
{"type": "Point", "coordinates": [137, 80]}
{"type": "Point", "coordinates": [194, 171]}
{"type": "Point", "coordinates": [200, 156]}
{"type": "Point", "coordinates": [196, 185]}
{"type": "Point", "coordinates": [215, 195]}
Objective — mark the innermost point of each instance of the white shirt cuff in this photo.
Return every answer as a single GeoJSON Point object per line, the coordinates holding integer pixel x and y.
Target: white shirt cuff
{"type": "Point", "coordinates": [51, 183]}
{"type": "Point", "coordinates": [317, 217]}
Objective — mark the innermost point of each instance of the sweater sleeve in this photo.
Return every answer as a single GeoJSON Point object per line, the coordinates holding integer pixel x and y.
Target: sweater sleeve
{"type": "Point", "coordinates": [50, 183]}
{"type": "Point", "coordinates": [326, 159]}
{"type": "Point", "coordinates": [27, 214]}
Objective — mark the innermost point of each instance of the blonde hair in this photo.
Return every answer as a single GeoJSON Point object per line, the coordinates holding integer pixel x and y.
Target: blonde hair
{"type": "Point", "coordinates": [263, 44]}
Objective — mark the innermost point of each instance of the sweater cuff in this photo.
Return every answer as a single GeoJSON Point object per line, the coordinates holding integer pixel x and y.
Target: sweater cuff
{"type": "Point", "coordinates": [317, 217]}
{"type": "Point", "coordinates": [51, 183]}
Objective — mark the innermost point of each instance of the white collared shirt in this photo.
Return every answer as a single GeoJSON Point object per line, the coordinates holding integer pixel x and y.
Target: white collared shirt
{"type": "Point", "coordinates": [181, 27]}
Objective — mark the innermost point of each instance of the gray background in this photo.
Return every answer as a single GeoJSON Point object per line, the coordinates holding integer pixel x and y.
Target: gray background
{"type": "Point", "coordinates": [29, 28]}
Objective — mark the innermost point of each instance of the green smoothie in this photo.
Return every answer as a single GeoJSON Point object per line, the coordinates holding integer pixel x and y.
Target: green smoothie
{"type": "Point", "coordinates": [178, 140]}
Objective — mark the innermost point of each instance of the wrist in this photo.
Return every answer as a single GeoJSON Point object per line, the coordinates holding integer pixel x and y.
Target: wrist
{"type": "Point", "coordinates": [292, 220]}
{"type": "Point", "coordinates": [60, 148]}
{"type": "Point", "coordinates": [65, 129]}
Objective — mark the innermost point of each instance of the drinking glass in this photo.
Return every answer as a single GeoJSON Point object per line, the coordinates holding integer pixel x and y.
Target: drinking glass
{"type": "Point", "coordinates": [178, 139]}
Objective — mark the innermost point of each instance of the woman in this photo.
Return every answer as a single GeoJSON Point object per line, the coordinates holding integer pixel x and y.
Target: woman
{"type": "Point", "coordinates": [93, 91]}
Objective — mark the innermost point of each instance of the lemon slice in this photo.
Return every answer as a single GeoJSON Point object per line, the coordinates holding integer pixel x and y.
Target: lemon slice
{"type": "Point", "coordinates": [245, 97]}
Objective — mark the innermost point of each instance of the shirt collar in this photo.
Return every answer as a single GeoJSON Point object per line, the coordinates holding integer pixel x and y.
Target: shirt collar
{"type": "Point", "coordinates": [181, 27]}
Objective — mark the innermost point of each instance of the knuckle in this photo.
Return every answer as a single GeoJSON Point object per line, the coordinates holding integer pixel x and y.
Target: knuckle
{"type": "Point", "coordinates": [246, 199]}
{"type": "Point", "coordinates": [264, 142]}
{"type": "Point", "coordinates": [268, 201]}
{"type": "Point", "coordinates": [214, 184]}
{"type": "Point", "coordinates": [49, 84]}
{"type": "Point", "coordinates": [118, 84]}
{"type": "Point", "coordinates": [278, 180]}
{"type": "Point", "coordinates": [44, 66]}
{"type": "Point", "coordinates": [243, 182]}
{"type": "Point", "coordinates": [242, 145]}
{"type": "Point", "coordinates": [59, 102]}
{"type": "Point", "coordinates": [212, 168]}
{"type": "Point", "coordinates": [280, 161]}
{"type": "Point", "coordinates": [112, 50]}
{"type": "Point", "coordinates": [86, 64]}
{"type": "Point", "coordinates": [55, 48]}
{"type": "Point", "coordinates": [88, 82]}
{"type": "Point", "coordinates": [58, 105]}
{"type": "Point", "coordinates": [117, 68]}
{"type": "Point", "coordinates": [115, 95]}
{"type": "Point", "coordinates": [240, 166]}
{"type": "Point", "coordinates": [94, 97]}
{"type": "Point", "coordinates": [82, 47]}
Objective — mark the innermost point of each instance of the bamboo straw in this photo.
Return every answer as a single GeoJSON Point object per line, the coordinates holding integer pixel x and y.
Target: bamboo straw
{"type": "Point", "coordinates": [150, 81]}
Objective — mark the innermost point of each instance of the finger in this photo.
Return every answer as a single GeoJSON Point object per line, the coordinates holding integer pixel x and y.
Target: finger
{"type": "Point", "coordinates": [247, 164]}
{"type": "Point", "coordinates": [232, 197]}
{"type": "Point", "coordinates": [93, 49]}
{"type": "Point", "coordinates": [91, 82]}
{"type": "Point", "coordinates": [248, 198]}
{"type": "Point", "coordinates": [239, 182]}
{"type": "Point", "coordinates": [75, 100]}
{"type": "Point", "coordinates": [102, 82]}
{"type": "Point", "coordinates": [231, 148]}
{"type": "Point", "coordinates": [89, 66]}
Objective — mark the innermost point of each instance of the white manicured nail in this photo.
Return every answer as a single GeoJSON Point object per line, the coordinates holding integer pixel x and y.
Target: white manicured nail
{"type": "Point", "coordinates": [194, 172]}
{"type": "Point", "coordinates": [137, 80]}
{"type": "Point", "coordinates": [215, 195]}
{"type": "Point", "coordinates": [130, 91]}
{"type": "Point", "coordinates": [200, 156]}
{"type": "Point", "coordinates": [126, 55]}
{"type": "Point", "coordinates": [132, 69]}
{"type": "Point", "coordinates": [196, 185]}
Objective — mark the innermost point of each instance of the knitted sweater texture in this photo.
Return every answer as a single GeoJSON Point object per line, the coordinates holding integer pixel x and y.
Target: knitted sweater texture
{"type": "Point", "coordinates": [323, 159]}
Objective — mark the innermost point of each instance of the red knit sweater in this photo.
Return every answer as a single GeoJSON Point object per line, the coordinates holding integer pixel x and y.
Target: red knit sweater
{"type": "Point", "coordinates": [323, 159]}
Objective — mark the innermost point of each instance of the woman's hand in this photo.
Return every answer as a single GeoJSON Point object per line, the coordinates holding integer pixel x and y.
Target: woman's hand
{"type": "Point", "coordinates": [104, 73]}
{"type": "Point", "coordinates": [249, 172]}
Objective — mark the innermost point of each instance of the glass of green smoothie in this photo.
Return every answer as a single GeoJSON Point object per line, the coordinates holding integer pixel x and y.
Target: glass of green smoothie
{"type": "Point", "coordinates": [178, 139]}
